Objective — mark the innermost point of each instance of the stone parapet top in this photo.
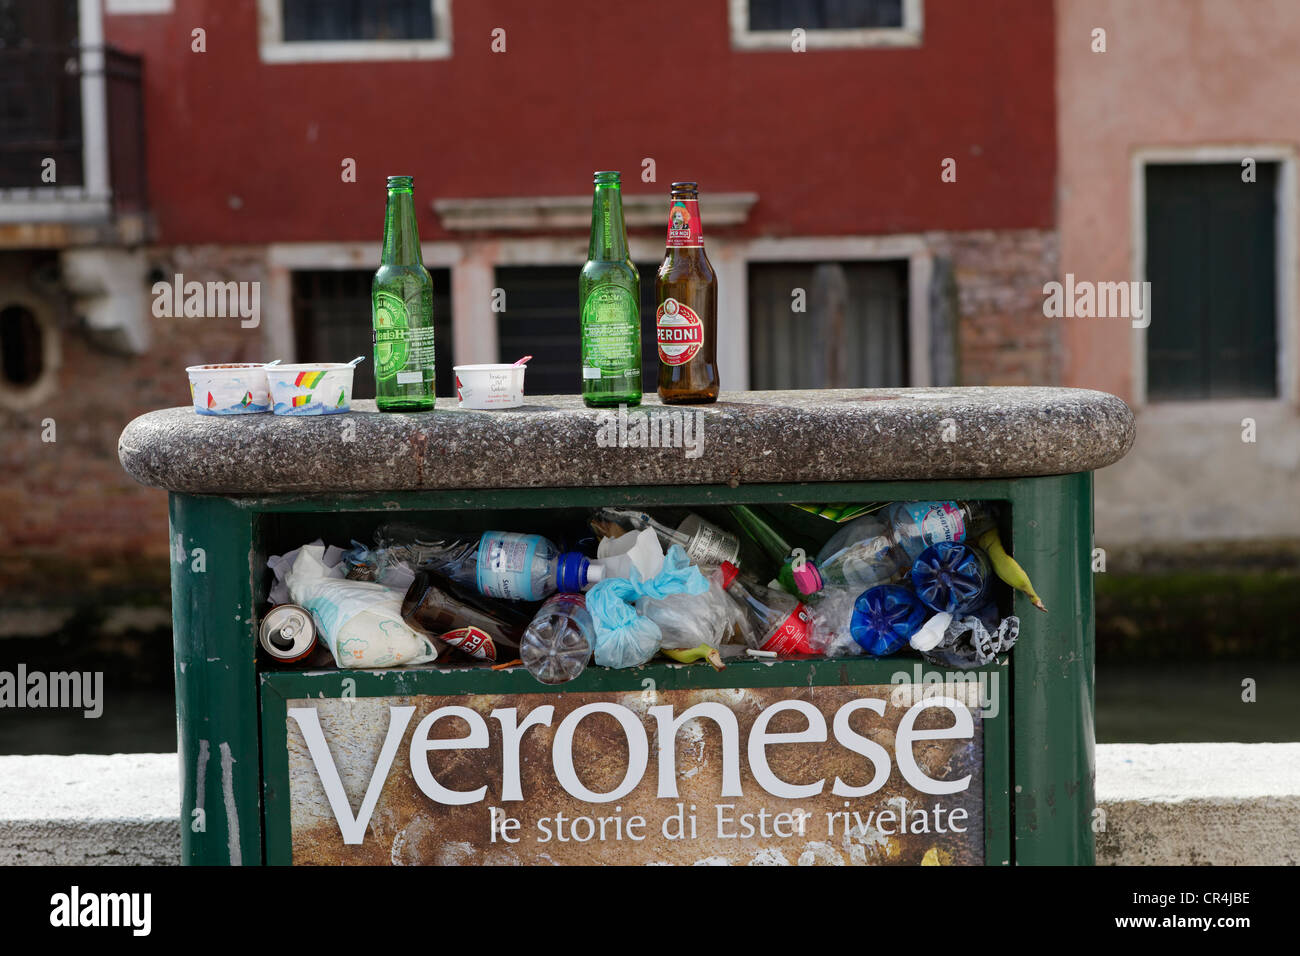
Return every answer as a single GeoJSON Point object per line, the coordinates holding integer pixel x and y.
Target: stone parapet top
{"type": "Point", "coordinates": [826, 435]}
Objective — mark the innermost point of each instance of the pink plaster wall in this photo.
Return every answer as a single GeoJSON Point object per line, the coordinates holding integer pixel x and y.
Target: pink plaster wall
{"type": "Point", "coordinates": [1175, 73]}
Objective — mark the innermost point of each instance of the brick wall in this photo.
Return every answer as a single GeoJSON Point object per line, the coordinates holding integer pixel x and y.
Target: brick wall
{"type": "Point", "coordinates": [1003, 337]}
{"type": "Point", "coordinates": [75, 527]}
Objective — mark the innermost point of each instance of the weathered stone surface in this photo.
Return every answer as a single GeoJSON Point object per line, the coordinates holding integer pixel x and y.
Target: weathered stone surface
{"type": "Point", "coordinates": [552, 441]}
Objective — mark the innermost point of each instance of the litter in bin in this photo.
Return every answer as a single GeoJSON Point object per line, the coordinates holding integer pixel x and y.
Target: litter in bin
{"type": "Point", "coordinates": [500, 564]}
{"type": "Point", "coordinates": [951, 577]}
{"type": "Point", "coordinates": [470, 624]}
{"type": "Point", "coordinates": [360, 621]}
{"type": "Point", "coordinates": [474, 598]}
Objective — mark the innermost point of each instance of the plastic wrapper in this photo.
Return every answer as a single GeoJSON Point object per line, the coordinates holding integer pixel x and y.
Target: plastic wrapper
{"type": "Point", "coordinates": [832, 612]}
{"type": "Point", "coordinates": [281, 564]}
{"type": "Point", "coordinates": [972, 641]}
{"type": "Point", "coordinates": [359, 621]}
{"type": "Point", "coordinates": [689, 620]}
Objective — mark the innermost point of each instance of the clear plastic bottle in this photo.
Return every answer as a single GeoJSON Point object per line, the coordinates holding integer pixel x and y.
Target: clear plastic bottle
{"type": "Point", "coordinates": [499, 564]}
{"type": "Point", "coordinates": [557, 644]}
{"type": "Point", "coordinates": [918, 524]}
{"type": "Point", "coordinates": [777, 621]}
{"type": "Point", "coordinates": [878, 548]}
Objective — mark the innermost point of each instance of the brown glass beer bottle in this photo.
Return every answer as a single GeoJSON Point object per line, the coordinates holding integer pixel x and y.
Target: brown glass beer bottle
{"type": "Point", "coordinates": [686, 320]}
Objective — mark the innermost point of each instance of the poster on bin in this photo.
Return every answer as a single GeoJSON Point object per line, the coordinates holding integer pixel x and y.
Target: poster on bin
{"type": "Point", "coordinates": [867, 775]}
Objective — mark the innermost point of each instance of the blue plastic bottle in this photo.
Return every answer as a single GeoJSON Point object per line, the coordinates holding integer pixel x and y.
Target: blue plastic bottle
{"type": "Point", "coordinates": [885, 618]}
{"type": "Point", "coordinates": [952, 577]}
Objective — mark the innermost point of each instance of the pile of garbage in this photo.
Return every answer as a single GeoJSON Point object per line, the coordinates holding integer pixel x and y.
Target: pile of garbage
{"type": "Point", "coordinates": [920, 575]}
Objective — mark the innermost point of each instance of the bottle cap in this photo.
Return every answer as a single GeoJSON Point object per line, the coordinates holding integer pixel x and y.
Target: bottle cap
{"type": "Point", "coordinates": [571, 575]}
{"type": "Point", "coordinates": [729, 572]}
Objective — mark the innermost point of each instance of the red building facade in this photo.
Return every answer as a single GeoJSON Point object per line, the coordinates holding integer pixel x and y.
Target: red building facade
{"type": "Point", "coordinates": [877, 196]}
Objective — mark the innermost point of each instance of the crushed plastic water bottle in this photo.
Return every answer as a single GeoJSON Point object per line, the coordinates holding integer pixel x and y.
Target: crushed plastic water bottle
{"type": "Point", "coordinates": [557, 644]}
{"type": "Point", "coordinates": [885, 618]}
{"type": "Point", "coordinates": [878, 548]}
{"type": "Point", "coordinates": [952, 577]}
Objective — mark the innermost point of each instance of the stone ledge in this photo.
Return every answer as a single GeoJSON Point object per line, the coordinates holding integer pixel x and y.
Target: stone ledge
{"type": "Point", "coordinates": [1164, 804]}
{"type": "Point", "coordinates": [574, 212]}
{"type": "Point", "coordinates": [827, 435]}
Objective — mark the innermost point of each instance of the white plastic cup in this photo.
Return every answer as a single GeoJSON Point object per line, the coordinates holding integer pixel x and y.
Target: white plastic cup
{"type": "Point", "coordinates": [232, 388]}
{"type": "Point", "coordinates": [490, 386]}
{"type": "Point", "coordinates": [321, 388]}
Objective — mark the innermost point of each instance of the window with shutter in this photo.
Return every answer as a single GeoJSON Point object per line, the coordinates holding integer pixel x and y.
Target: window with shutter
{"type": "Point", "coordinates": [828, 325]}
{"type": "Point", "coordinates": [1211, 259]}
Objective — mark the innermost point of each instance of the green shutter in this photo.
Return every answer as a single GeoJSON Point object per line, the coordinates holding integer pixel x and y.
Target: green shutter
{"type": "Point", "coordinates": [1211, 260]}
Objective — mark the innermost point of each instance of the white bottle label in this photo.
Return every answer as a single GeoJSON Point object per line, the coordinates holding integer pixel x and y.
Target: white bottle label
{"type": "Point", "coordinates": [505, 565]}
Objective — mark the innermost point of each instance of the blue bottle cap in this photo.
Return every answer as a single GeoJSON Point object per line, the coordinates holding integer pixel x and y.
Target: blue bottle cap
{"type": "Point", "coordinates": [571, 576]}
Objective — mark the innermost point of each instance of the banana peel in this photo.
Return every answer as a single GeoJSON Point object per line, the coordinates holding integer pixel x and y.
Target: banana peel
{"type": "Point", "coordinates": [1007, 568]}
{"type": "Point", "coordinates": [702, 653]}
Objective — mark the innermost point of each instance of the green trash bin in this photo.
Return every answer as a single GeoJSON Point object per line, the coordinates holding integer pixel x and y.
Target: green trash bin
{"type": "Point", "coordinates": [797, 761]}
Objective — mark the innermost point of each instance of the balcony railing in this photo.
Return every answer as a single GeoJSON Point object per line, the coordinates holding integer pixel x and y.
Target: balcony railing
{"type": "Point", "coordinates": [81, 108]}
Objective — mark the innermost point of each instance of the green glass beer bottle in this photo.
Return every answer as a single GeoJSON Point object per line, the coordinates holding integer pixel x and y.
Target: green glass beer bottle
{"type": "Point", "coordinates": [609, 300]}
{"type": "Point", "coordinates": [401, 298]}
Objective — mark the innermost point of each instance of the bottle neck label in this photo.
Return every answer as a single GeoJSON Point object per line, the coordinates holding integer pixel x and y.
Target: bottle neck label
{"type": "Point", "coordinates": [679, 332]}
{"type": "Point", "coordinates": [684, 229]}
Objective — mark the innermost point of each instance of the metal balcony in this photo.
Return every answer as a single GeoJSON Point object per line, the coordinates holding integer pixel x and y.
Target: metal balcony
{"type": "Point", "coordinates": [72, 140]}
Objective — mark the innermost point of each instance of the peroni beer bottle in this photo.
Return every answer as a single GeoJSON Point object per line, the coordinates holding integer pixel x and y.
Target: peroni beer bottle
{"type": "Point", "coordinates": [686, 320]}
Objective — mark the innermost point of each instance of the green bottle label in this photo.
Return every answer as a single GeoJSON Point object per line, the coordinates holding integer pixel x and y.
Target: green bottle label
{"type": "Point", "coordinates": [390, 325]}
{"type": "Point", "coordinates": [611, 334]}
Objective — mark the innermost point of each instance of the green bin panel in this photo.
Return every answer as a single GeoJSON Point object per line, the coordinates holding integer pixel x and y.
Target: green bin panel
{"type": "Point", "coordinates": [1038, 783]}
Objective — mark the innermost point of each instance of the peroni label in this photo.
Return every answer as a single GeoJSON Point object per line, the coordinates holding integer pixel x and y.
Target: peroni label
{"type": "Point", "coordinates": [679, 332]}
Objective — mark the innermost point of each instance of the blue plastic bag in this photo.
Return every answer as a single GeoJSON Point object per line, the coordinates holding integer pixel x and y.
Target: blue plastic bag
{"type": "Point", "coordinates": [623, 637]}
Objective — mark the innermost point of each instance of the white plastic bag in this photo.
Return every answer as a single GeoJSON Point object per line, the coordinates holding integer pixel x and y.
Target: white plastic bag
{"type": "Point", "coordinates": [359, 621]}
{"type": "Point", "coordinates": [689, 620]}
